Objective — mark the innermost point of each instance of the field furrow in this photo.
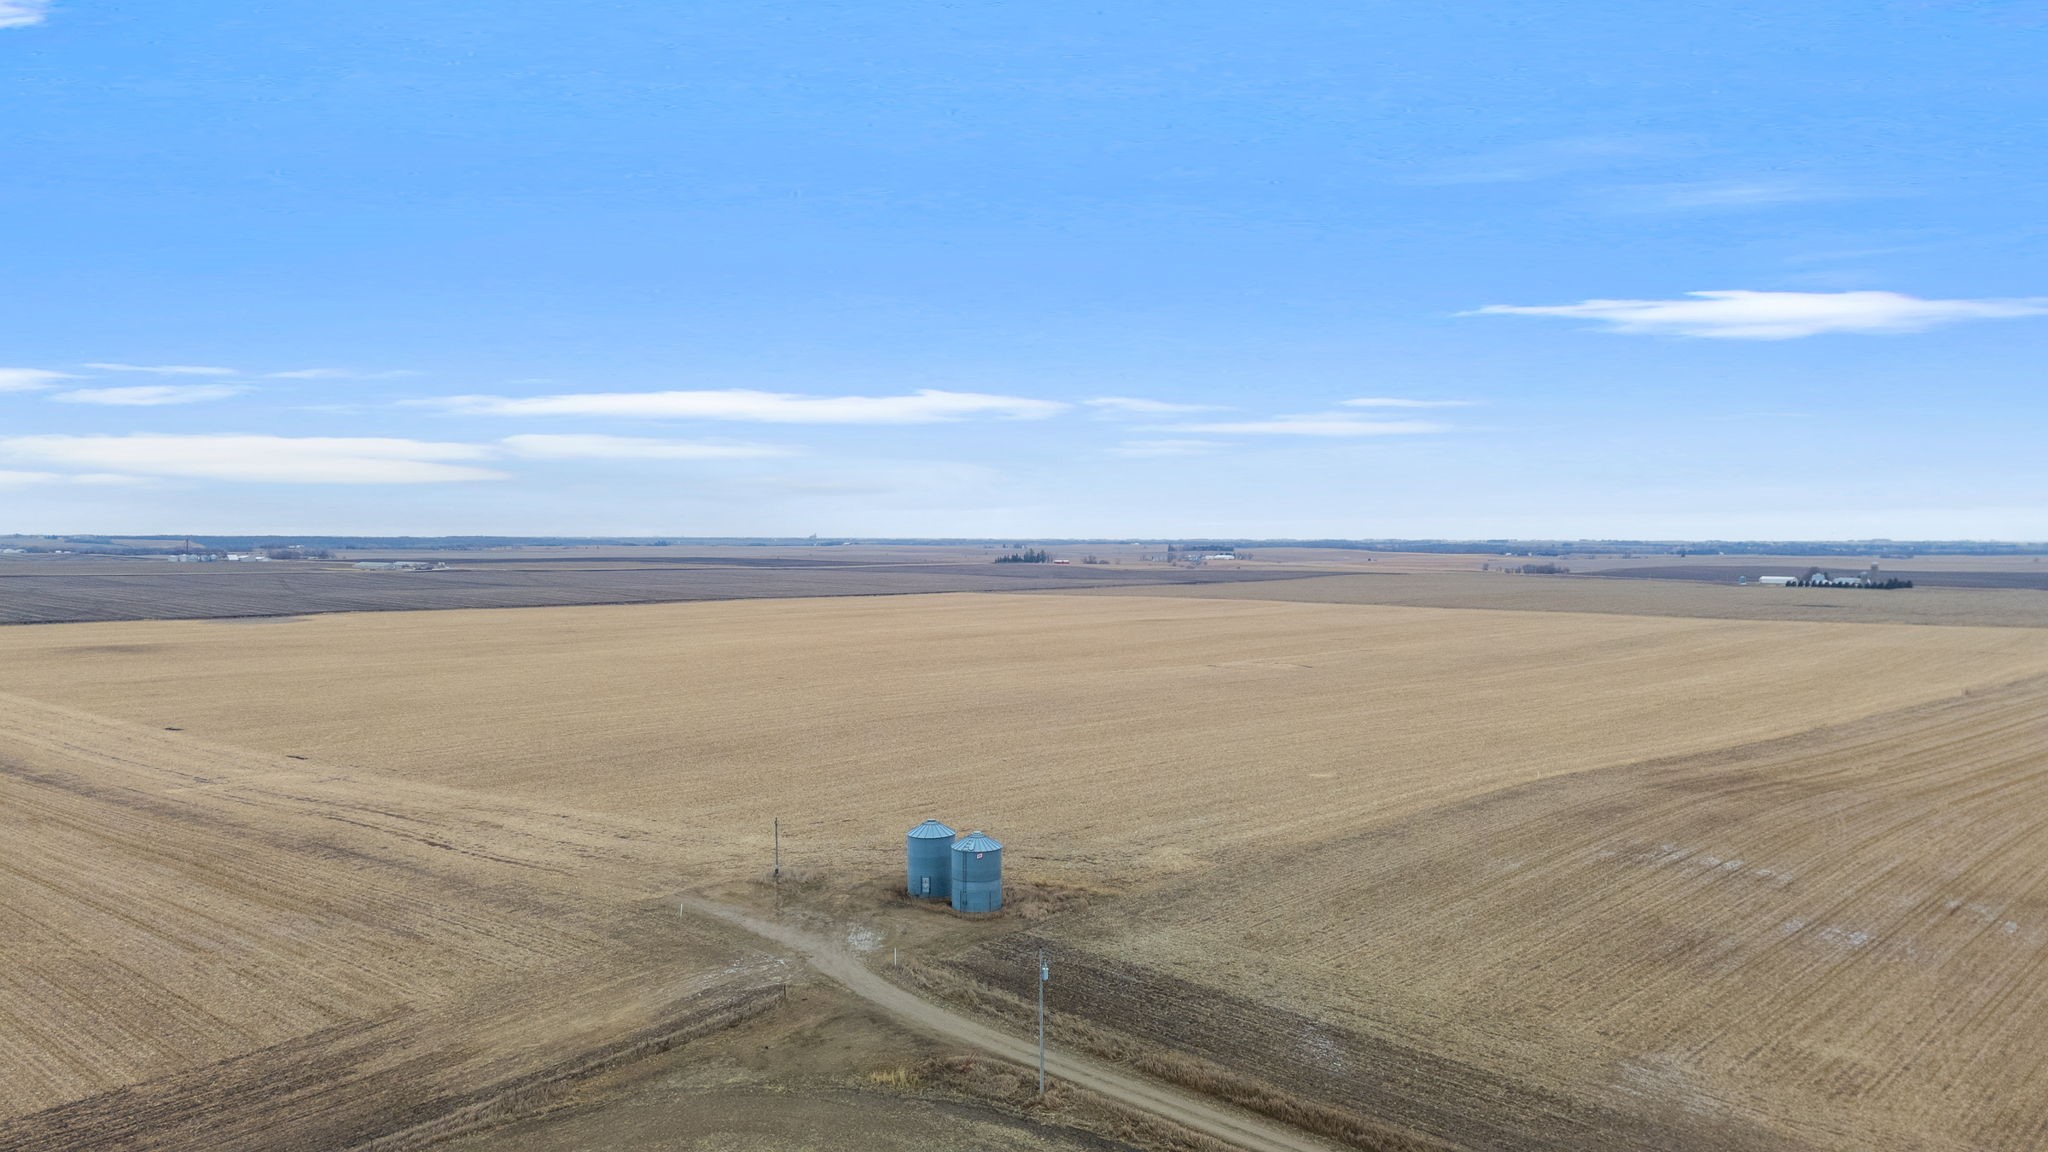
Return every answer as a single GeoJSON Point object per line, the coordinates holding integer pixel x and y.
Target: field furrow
{"type": "Point", "coordinates": [1517, 879]}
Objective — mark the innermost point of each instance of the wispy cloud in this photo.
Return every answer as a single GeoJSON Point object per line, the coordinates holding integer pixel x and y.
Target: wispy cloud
{"type": "Point", "coordinates": [1746, 315]}
{"type": "Point", "coordinates": [150, 395]}
{"type": "Point", "coordinates": [165, 369]}
{"type": "Point", "coordinates": [17, 479]}
{"type": "Point", "coordinates": [1548, 159]}
{"type": "Point", "coordinates": [1404, 402]}
{"type": "Point", "coordinates": [30, 379]}
{"type": "Point", "coordinates": [259, 459]}
{"type": "Point", "coordinates": [1144, 449]}
{"type": "Point", "coordinates": [338, 374]}
{"type": "Point", "coordinates": [22, 13]}
{"type": "Point", "coordinates": [1135, 406]}
{"type": "Point", "coordinates": [1716, 195]}
{"type": "Point", "coordinates": [1333, 424]}
{"type": "Point", "coordinates": [571, 447]}
{"type": "Point", "coordinates": [927, 406]}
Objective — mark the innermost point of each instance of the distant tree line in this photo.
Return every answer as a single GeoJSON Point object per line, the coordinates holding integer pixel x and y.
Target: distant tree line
{"type": "Point", "coordinates": [1028, 556]}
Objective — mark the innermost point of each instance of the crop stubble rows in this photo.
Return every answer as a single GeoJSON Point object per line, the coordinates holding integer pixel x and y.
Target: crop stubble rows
{"type": "Point", "coordinates": [1387, 819]}
{"type": "Point", "coordinates": [212, 947]}
{"type": "Point", "coordinates": [1834, 940]}
{"type": "Point", "coordinates": [71, 592]}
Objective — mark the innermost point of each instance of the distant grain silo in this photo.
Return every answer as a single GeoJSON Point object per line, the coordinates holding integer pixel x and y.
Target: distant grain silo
{"type": "Point", "coordinates": [931, 862]}
{"type": "Point", "coordinates": [977, 873]}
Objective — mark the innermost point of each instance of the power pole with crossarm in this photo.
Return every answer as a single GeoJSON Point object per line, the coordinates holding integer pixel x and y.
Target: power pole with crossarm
{"type": "Point", "coordinates": [1044, 976]}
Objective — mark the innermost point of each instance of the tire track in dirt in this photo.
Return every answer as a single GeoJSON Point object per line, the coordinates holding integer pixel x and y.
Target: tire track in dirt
{"type": "Point", "coordinates": [1833, 939]}
{"type": "Point", "coordinates": [835, 963]}
{"type": "Point", "coordinates": [208, 947]}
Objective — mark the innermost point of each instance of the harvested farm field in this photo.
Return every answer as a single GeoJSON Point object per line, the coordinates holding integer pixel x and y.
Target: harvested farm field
{"type": "Point", "coordinates": [213, 947]}
{"type": "Point", "coordinates": [1833, 940]}
{"type": "Point", "coordinates": [1500, 878]}
{"type": "Point", "coordinates": [65, 590]}
{"type": "Point", "coordinates": [2032, 577]}
{"type": "Point", "coordinates": [2003, 606]}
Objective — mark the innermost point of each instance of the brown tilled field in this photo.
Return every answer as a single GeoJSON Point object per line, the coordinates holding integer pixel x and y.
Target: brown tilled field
{"type": "Point", "coordinates": [73, 589]}
{"type": "Point", "coordinates": [1973, 607]}
{"type": "Point", "coordinates": [1508, 878]}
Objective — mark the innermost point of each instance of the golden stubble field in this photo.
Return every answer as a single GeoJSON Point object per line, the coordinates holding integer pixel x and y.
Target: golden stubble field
{"type": "Point", "coordinates": [1474, 841]}
{"type": "Point", "coordinates": [211, 947]}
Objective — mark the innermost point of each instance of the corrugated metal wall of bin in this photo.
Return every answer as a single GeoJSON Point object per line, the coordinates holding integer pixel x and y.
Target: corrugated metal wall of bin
{"type": "Point", "coordinates": [929, 849]}
{"type": "Point", "coordinates": [977, 873]}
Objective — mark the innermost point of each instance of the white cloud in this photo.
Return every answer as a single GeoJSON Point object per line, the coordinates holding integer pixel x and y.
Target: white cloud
{"type": "Point", "coordinates": [16, 479]}
{"type": "Point", "coordinates": [262, 459]}
{"type": "Point", "coordinates": [1746, 315]}
{"type": "Point", "coordinates": [926, 406]}
{"type": "Point", "coordinates": [1709, 195]}
{"type": "Point", "coordinates": [1134, 406]}
{"type": "Point", "coordinates": [563, 447]}
{"type": "Point", "coordinates": [1147, 449]}
{"type": "Point", "coordinates": [29, 379]}
{"type": "Point", "coordinates": [22, 13]}
{"type": "Point", "coordinates": [150, 395]}
{"type": "Point", "coordinates": [164, 369]}
{"type": "Point", "coordinates": [1400, 402]}
{"type": "Point", "coordinates": [1551, 159]}
{"type": "Point", "coordinates": [337, 374]}
{"type": "Point", "coordinates": [1334, 424]}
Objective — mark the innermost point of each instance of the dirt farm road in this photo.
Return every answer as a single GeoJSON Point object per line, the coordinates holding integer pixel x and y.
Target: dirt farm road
{"type": "Point", "coordinates": [837, 964]}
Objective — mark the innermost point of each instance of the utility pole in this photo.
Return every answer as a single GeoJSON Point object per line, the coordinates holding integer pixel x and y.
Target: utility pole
{"type": "Point", "coordinates": [1044, 975]}
{"type": "Point", "coordinates": [778, 847]}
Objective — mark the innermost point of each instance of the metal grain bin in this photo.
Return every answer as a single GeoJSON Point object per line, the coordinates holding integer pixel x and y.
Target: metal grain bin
{"type": "Point", "coordinates": [931, 864]}
{"type": "Point", "coordinates": [977, 873]}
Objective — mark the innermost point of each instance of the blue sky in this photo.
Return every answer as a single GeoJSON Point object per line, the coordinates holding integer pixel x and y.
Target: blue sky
{"type": "Point", "coordinates": [1364, 269]}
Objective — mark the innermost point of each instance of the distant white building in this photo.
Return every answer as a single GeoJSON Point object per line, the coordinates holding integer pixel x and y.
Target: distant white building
{"type": "Point", "coordinates": [1778, 581]}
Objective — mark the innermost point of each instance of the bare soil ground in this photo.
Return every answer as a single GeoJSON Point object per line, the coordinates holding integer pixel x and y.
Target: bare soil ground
{"type": "Point", "coordinates": [213, 948]}
{"type": "Point", "coordinates": [1833, 940]}
{"type": "Point", "coordinates": [820, 1072]}
{"type": "Point", "coordinates": [828, 953]}
{"type": "Point", "coordinates": [64, 589]}
{"type": "Point", "coordinates": [1940, 562]}
{"type": "Point", "coordinates": [1970, 607]}
{"type": "Point", "coordinates": [208, 946]}
{"type": "Point", "coordinates": [1365, 560]}
{"type": "Point", "coordinates": [2031, 576]}
{"type": "Point", "coordinates": [1512, 879]}
{"type": "Point", "coordinates": [1051, 718]}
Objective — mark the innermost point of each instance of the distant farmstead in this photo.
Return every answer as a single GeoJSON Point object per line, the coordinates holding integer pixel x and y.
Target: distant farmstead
{"type": "Point", "coordinates": [1815, 578]}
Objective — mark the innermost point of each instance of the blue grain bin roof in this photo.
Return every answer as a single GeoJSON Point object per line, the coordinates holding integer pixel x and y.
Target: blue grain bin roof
{"type": "Point", "coordinates": [977, 841]}
{"type": "Point", "coordinates": [931, 830]}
